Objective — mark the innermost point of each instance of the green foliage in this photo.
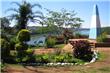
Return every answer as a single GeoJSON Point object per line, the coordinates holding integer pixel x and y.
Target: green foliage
{"type": "Point", "coordinates": [68, 58]}
{"type": "Point", "coordinates": [102, 37]}
{"type": "Point", "coordinates": [59, 58]}
{"type": "Point", "coordinates": [42, 58]}
{"type": "Point", "coordinates": [45, 58]}
{"type": "Point", "coordinates": [5, 29]}
{"type": "Point", "coordinates": [23, 53]}
{"type": "Point", "coordinates": [21, 46]}
{"type": "Point", "coordinates": [38, 58]}
{"type": "Point", "coordinates": [50, 42]}
{"type": "Point", "coordinates": [24, 14]}
{"type": "Point", "coordinates": [62, 18]}
{"type": "Point", "coordinates": [2, 66]}
{"type": "Point", "coordinates": [5, 51]}
{"type": "Point", "coordinates": [4, 22]}
{"type": "Point", "coordinates": [21, 50]}
{"type": "Point", "coordinates": [106, 30]}
{"type": "Point", "coordinates": [65, 58]}
{"type": "Point", "coordinates": [82, 50]}
{"type": "Point", "coordinates": [78, 35]}
{"type": "Point", "coordinates": [25, 56]}
{"type": "Point", "coordinates": [54, 58]}
{"type": "Point", "coordinates": [13, 42]}
{"type": "Point", "coordinates": [23, 35]}
{"type": "Point", "coordinates": [30, 55]}
{"type": "Point", "coordinates": [67, 35]}
{"type": "Point", "coordinates": [47, 30]}
{"type": "Point", "coordinates": [29, 51]}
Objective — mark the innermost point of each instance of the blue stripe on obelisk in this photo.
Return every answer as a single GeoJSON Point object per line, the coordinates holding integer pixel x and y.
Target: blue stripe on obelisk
{"type": "Point", "coordinates": [95, 12]}
{"type": "Point", "coordinates": [96, 31]}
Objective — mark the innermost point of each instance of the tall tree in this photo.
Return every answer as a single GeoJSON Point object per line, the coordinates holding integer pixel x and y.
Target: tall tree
{"type": "Point", "coordinates": [64, 19]}
{"type": "Point", "coordinates": [69, 19]}
{"type": "Point", "coordinates": [5, 29]}
{"type": "Point", "coordinates": [4, 22]}
{"type": "Point", "coordinates": [25, 14]}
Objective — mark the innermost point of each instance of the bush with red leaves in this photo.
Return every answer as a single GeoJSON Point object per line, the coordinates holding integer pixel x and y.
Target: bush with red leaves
{"type": "Point", "coordinates": [82, 50]}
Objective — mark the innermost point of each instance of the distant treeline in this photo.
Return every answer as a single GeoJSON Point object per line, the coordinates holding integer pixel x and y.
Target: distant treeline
{"type": "Point", "coordinates": [54, 29]}
{"type": "Point", "coordinates": [106, 29]}
{"type": "Point", "coordinates": [45, 30]}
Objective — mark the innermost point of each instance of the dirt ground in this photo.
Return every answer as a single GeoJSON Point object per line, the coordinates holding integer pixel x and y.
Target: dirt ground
{"type": "Point", "coordinates": [101, 66]}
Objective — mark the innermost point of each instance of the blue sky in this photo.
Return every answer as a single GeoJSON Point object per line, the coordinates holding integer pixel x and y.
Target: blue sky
{"type": "Point", "coordinates": [84, 8]}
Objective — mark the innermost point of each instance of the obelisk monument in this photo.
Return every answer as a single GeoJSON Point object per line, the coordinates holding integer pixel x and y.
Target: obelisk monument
{"type": "Point", "coordinates": [95, 28]}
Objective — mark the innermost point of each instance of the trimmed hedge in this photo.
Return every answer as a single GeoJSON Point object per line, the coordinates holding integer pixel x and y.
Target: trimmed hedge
{"type": "Point", "coordinates": [23, 35]}
{"type": "Point", "coordinates": [23, 53]}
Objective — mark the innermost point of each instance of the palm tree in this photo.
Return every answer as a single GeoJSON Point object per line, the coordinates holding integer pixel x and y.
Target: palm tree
{"type": "Point", "coordinates": [25, 14]}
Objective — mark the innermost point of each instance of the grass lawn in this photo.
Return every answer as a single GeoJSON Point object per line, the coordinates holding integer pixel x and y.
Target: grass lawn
{"type": "Point", "coordinates": [60, 46]}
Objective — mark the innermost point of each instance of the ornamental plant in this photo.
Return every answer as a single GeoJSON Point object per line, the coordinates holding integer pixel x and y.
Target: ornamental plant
{"type": "Point", "coordinates": [23, 53]}
{"type": "Point", "coordinates": [82, 50]}
{"type": "Point", "coordinates": [50, 42]}
{"type": "Point", "coordinates": [23, 35]}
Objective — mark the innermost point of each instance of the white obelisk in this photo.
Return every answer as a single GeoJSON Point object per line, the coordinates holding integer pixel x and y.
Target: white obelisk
{"type": "Point", "coordinates": [95, 28]}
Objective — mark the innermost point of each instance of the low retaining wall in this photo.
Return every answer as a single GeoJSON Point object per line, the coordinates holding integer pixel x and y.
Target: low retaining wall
{"type": "Point", "coordinates": [102, 44]}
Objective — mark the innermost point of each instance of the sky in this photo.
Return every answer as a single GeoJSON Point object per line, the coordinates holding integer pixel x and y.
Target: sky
{"type": "Point", "coordinates": [83, 8]}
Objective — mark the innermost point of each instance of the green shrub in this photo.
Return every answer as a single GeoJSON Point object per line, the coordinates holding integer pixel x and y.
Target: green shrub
{"type": "Point", "coordinates": [30, 54]}
{"type": "Point", "coordinates": [23, 53]}
{"type": "Point", "coordinates": [23, 35]}
{"type": "Point", "coordinates": [78, 61]}
{"type": "Point", "coordinates": [68, 58]}
{"type": "Point", "coordinates": [82, 50]}
{"type": "Point", "coordinates": [45, 58]}
{"type": "Point", "coordinates": [13, 42]}
{"type": "Point", "coordinates": [62, 58]}
{"type": "Point", "coordinates": [29, 51]}
{"type": "Point", "coordinates": [59, 58]}
{"type": "Point", "coordinates": [38, 58]}
{"type": "Point", "coordinates": [102, 37]}
{"type": "Point", "coordinates": [5, 51]}
{"type": "Point", "coordinates": [50, 42]}
{"type": "Point", "coordinates": [21, 46]}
